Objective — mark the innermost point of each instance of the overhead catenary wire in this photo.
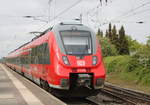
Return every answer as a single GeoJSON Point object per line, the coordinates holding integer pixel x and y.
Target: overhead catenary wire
{"type": "Point", "coordinates": [66, 10]}
{"type": "Point", "coordinates": [95, 12]}
{"type": "Point", "coordinates": [97, 7]}
{"type": "Point", "coordinates": [61, 13]}
{"type": "Point", "coordinates": [55, 16]}
{"type": "Point", "coordinates": [145, 18]}
{"type": "Point", "coordinates": [130, 11]}
{"type": "Point", "coordinates": [135, 14]}
{"type": "Point", "coordinates": [126, 14]}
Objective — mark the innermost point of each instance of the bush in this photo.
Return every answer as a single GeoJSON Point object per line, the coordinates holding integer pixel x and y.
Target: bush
{"type": "Point", "coordinates": [117, 63]}
{"type": "Point", "coordinates": [129, 68]}
{"type": "Point", "coordinates": [143, 57]}
{"type": "Point", "coordinates": [108, 49]}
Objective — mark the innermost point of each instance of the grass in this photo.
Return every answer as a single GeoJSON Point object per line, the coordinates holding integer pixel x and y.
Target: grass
{"type": "Point", "coordinates": [125, 71]}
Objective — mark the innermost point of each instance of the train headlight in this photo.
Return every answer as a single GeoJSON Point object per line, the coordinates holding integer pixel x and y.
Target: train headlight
{"type": "Point", "coordinates": [66, 61]}
{"type": "Point", "coordinates": [94, 60]}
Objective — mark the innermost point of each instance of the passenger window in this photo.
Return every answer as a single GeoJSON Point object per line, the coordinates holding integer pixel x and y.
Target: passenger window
{"type": "Point", "coordinates": [40, 54]}
{"type": "Point", "coordinates": [46, 54]}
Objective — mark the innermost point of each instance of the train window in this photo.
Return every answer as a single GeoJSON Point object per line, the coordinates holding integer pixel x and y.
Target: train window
{"type": "Point", "coordinates": [25, 59]}
{"type": "Point", "coordinates": [40, 54]}
{"type": "Point", "coordinates": [46, 54]}
{"type": "Point", "coordinates": [33, 55]}
{"type": "Point", "coordinates": [45, 58]}
{"type": "Point", "coordinates": [77, 42]}
{"type": "Point", "coordinates": [22, 59]}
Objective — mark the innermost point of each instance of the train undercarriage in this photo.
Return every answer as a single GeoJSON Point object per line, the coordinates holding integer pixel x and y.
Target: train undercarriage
{"type": "Point", "coordinates": [80, 85]}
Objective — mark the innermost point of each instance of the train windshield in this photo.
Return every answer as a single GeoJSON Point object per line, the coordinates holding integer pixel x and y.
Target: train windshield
{"type": "Point", "coordinates": [77, 42]}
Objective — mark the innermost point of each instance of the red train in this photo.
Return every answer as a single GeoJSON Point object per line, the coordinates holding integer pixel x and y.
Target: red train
{"type": "Point", "coordinates": [65, 59]}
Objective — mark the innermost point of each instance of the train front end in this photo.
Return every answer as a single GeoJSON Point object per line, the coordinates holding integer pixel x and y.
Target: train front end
{"type": "Point", "coordinates": [79, 69]}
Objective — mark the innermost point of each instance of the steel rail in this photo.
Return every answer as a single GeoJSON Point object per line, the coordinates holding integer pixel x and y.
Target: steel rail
{"type": "Point", "coordinates": [133, 92]}
{"type": "Point", "coordinates": [127, 95]}
{"type": "Point", "coordinates": [119, 97]}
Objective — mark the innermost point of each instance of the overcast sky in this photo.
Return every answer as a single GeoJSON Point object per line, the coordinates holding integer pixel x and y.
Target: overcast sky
{"type": "Point", "coordinates": [14, 28]}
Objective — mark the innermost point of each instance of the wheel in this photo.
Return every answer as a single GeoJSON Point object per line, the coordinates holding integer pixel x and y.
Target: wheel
{"type": "Point", "coordinates": [22, 73]}
{"type": "Point", "coordinates": [44, 85]}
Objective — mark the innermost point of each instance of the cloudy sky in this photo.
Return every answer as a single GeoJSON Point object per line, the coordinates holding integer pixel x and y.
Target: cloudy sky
{"type": "Point", "coordinates": [14, 28]}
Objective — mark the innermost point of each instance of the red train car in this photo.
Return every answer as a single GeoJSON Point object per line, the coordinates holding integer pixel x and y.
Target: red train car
{"type": "Point", "coordinates": [66, 59]}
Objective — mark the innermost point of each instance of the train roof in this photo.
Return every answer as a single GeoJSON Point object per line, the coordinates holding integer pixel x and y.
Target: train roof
{"type": "Point", "coordinates": [42, 33]}
{"type": "Point", "coordinates": [56, 28]}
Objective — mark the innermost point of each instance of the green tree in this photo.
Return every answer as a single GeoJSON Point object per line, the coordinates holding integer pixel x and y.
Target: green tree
{"type": "Point", "coordinates": [148, 41]}
{"type": "Point", "coordinates": [134, 45]}
{"type": "Point", "coordinates": [107, 35]}
{"type": "Point", "coordinates": [123, 42]}
{"type": "Point", "coordinates": [110, 32]}
{"type": "Point", "coordinates": [101, 33]}
{"type": "Point", "coordinates": [108, 49]}
{"type": "Point", "coordinates": [115, 37]}
{"type": "Point", "coordinates": [98, 32]}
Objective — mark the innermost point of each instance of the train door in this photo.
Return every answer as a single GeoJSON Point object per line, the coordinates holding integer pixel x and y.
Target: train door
{"type": "Point", "coordinates": [44, 59]}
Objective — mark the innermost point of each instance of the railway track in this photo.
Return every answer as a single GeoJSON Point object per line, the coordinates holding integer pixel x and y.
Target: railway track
{"type": "Point", "coordinates": [101, 99]}
{"type": "Point", "coordinates": [128, 96]}
{"type": "Point", "coordinates": [79, 101]}
{"type": "Point", "coordinates": [112, 95]}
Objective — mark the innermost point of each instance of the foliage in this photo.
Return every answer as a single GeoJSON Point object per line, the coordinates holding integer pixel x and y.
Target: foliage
{"type": "Point", "coordinates": [115, 39]}
{"type": "Point", "coordinates": [107, 35]}
{"type": "Point", "coordinates": [128, 68]}
{"type": "Point", "coordinates": [100, 33]}
{"type": "Point", "coordinates": [135, 67]}
{"type": "Point", "coordinates": [110, 32]}
{"type": "Point", "coordinates": [133, 45]}
{"type": "Point", "coordinates": [108, 49]}
{"type": "Point", "coordinates": [114, 35]}
{"type": "Point", "coordinates": [123, 43]}
{"type": "Point", "coordinates": [117, 63]}
{"type": "Point", "coordinates": [118, 40]}
{"type": "Point", "coordinates": [143, 56]}
{"type": "Point", "coordinates": [148, 41]}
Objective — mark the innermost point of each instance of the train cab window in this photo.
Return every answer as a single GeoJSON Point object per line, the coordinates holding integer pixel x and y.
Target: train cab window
{"type": "Point", "coordinates": [77, 42]}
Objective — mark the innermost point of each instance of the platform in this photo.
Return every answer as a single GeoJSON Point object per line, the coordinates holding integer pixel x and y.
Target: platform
{"type": "Point", "coordinates": [17, 90]}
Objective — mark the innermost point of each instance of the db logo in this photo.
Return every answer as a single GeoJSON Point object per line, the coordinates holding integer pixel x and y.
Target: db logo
{"type": "Point", "coordinates": [81, 63]}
